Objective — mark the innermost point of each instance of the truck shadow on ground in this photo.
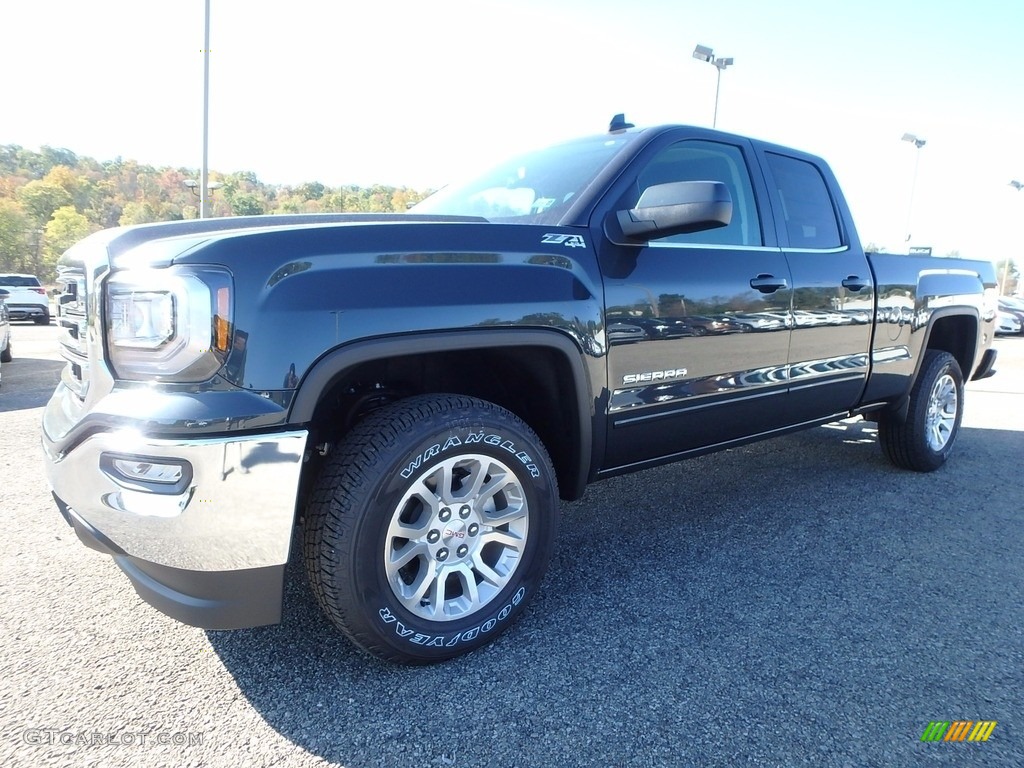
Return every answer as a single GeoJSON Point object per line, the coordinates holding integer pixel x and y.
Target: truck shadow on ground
{"type": "Point", "coordinates": [785, 574]}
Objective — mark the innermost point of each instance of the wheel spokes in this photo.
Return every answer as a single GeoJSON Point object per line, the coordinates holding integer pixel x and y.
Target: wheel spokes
{"type": "Point", "coordinates": [456, 537]}
{"type": "Point", "coordinates": [943, 407]}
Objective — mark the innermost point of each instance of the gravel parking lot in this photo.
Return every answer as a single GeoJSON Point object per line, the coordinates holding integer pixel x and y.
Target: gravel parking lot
{"type": "Point", "coordinates": [796, 602]}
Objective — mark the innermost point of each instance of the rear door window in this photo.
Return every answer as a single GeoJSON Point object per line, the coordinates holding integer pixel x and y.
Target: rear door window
{"type": "Point", "coordinates": [806, 206]}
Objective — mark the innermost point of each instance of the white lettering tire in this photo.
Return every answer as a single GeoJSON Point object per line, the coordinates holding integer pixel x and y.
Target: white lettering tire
{"type": "Point", "coordinates": [430, 527]}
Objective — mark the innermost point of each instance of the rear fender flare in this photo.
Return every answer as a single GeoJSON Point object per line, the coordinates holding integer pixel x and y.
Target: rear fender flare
{"type": "Point", "coordinates": [902, 405]}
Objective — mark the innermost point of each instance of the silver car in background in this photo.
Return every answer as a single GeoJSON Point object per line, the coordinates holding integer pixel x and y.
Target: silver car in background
{"type": "Point", "coordinates": [5, 329]}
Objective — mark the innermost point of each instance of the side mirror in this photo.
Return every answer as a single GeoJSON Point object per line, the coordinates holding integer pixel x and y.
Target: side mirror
{"type": "Point", "coordinates": [672, 209]}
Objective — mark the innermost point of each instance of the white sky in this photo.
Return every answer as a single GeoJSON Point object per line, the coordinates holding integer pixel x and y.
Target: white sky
{"type": "Point", "coordinates": [418, 93]}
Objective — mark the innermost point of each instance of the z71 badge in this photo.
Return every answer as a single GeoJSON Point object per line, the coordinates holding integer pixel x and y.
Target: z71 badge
{"type": "Point", "coordinates": [569, 241]}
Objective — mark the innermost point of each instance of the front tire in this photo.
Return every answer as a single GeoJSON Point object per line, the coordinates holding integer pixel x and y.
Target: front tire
{"type": "Point", "coordinates": [7, 355]}
{"type": "Point", "coordinates": [430, 527]}
{"type": "Point", "coordinates": [925, 438]}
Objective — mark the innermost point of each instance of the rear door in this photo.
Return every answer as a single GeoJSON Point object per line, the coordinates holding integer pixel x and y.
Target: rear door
{"type": "Point", "coordinates": [833, 290]}
{"type": "Point", "coordinates": [682, 376]}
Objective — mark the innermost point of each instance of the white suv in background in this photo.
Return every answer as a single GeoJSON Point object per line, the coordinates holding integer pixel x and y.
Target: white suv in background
{"type": "Point", "coordinates": [27, 299]}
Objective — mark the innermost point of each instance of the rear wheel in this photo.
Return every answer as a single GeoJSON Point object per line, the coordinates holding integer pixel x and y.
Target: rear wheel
{"type": "Point", "coordinates": [925, 438]}
{"type": "Point", "coordinates": [43, 319]}
{"type": "Point", "coordinates": [431, 527]}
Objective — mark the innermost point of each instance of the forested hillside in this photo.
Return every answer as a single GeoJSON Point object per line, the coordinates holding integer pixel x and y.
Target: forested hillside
{"type": "Point", "coordinates": [52, 198]}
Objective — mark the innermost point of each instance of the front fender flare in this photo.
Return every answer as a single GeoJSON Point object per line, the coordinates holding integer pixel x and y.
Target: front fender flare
{"type": "Point", "coordinates": [333, 366]}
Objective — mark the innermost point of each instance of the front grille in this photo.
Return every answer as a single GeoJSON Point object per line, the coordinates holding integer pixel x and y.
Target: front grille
{"type": "Point", "coordinates": [73, 335]}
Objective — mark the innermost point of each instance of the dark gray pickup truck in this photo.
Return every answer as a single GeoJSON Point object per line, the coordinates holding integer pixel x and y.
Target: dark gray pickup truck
{"type": "Point", "coordinates": [413, 393]}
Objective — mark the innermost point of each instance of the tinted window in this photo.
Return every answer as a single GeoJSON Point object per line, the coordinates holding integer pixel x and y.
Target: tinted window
{"type": "Point", "coordinates": [806, 204]}
{"type": "Point", "coordinates": [19, 281]}
{"type": "Point", "coordinates": [707, 161]}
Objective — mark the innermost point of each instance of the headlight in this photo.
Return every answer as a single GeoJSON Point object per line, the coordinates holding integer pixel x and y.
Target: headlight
{"type": "Point", "coordinates": [168, 324]}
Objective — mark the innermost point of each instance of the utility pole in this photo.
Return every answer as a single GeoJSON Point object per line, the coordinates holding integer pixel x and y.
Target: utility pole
{"type": "Point", "coordinates": [204, 179]}
{"type": "Point", "coordinates": [1006, 265]}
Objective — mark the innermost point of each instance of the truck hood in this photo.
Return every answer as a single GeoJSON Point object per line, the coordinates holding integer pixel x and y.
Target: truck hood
{"type": "Point", "coordinates": [158, 243]}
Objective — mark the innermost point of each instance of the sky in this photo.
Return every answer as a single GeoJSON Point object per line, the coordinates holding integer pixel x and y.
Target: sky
{"type": "Point", "coordinates": [422, 93]}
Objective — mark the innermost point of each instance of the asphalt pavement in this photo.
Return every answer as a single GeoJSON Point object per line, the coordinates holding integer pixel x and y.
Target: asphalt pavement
{"type": "Point", "coordinates": [795, 602]}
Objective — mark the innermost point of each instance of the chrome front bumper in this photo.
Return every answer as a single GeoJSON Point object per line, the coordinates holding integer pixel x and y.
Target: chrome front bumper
{"type": "Point", "coordinates": [233, 510]}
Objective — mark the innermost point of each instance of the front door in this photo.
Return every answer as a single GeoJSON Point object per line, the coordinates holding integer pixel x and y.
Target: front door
{"type": "Point", "coordinates": [698, 325]}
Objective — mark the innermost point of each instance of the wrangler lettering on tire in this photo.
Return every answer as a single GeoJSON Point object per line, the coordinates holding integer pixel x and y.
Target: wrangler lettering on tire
{"type": "Point", "coordinates": [430, 527]}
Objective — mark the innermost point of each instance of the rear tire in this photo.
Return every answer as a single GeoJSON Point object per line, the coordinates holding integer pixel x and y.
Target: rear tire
{"type": "Point", "coordinates": [44, 320]}
{"type": "Point", "coordinates": [430, 527]}
{"type": "Point", "coordinates": [925, 438]}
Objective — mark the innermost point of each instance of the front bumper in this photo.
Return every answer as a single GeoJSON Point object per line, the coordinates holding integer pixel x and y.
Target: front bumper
{"type": "Point", "coordinates": [209, 550]}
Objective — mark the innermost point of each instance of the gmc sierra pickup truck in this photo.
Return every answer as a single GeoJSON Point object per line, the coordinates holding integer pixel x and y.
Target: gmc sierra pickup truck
{"type": "Point", "coordinates": [411, 394]}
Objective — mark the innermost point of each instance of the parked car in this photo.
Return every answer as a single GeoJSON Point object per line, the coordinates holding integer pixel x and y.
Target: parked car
{"type": "Point", "coordinates": [625, 333]}
{"type": "Point", "coordinates": [1008, 323]}
{"type": "Point", "coordinates": [5, 329]}
{"type": "Point", "coordinates": [1012, 306]}
{"type": "Point", "coordinates": [27, 299]}
{"type": "Point", "coordinates": [760, 321]}
{"type": "Point", "coordinates": [703, 325]}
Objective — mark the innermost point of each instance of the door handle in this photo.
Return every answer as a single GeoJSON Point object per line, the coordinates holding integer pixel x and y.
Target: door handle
{"type": "Point", "coordinates": [768, 283]}
{"type": "Point", "coordinates": [855, 283]}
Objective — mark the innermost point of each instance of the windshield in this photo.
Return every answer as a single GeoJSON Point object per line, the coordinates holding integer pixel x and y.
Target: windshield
{"type": "Point", "coordinates": [535, 188]}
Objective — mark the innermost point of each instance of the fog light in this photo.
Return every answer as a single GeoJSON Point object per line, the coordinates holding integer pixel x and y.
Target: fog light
{"type": "Point", "coordinates": [148, 471]}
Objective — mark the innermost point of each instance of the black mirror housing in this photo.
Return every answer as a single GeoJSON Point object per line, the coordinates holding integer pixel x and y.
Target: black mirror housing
{"type": "Point", "coordinates": [672, 209]}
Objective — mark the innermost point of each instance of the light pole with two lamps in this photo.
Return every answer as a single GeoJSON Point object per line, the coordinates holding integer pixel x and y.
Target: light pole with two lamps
{"type": "Point", "coordinates": [204, 200]}
{"type": "Point", "coordinates": [703, 53]}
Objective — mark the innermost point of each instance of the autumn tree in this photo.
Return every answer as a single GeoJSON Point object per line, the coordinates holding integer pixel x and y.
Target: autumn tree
{"type": "Point", "coordinates": [137, 213]}
{"type": "Point", "coordinates": [65, 228]}
{"type": "Point", "coordinates": [312, 190]}
{"type": "Point", "coordinates": [35, 186]}
{"type": "Point", "coordinates": [40, 199]}
{"type": "Point", "coordinates": [1008, 275]}
{"type": "Point", "coordinates": [246, 204]}
{"type": "Point", "coordinates": [14, 241]}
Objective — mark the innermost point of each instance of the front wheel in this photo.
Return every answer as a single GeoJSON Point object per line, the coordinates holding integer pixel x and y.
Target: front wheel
{"type": "Point", "coordinates": [925, 438]}
{"type": "Point", "coordinates": [431, 527]}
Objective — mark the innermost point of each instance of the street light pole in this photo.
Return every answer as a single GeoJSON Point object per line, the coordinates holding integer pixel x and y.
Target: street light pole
{"type": "Point", "coordinates": [204, 182]}
{"type": "Point", "coordinates": [703, 53]}
{"type": "Point", "coordinates": [917, 142]}
{"type": "Point", "coordinates": [1006, 265]}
